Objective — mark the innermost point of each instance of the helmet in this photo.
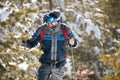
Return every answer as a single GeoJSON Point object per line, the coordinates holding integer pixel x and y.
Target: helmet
{"type": "Point", "coordinates": [55, 14]}
{"type": "Point", "coordinates": [45, 18]}
{"type": "Point", "coordinates": [52, 17]}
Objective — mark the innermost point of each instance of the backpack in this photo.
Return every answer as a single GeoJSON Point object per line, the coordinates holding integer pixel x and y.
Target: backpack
{"type": "Point", "coordinates": [64, 30]}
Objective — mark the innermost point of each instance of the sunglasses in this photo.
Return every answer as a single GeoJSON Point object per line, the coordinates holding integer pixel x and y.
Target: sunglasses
{"type": "Point", "coordinates": [51, 19]}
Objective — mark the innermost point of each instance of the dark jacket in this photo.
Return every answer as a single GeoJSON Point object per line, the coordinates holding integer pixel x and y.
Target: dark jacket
{"type": "Point", "coordinates": [53, 36]}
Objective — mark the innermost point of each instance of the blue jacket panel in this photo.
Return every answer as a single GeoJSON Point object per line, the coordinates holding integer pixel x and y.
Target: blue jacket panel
{"type": "Point", "coordinates": [46, 47]}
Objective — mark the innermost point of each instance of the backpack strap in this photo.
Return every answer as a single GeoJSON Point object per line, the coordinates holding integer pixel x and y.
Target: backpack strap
{"type": "Point", "coordinates": [65, 32]}
{"type": "Point", "coordinates": [42, 35]}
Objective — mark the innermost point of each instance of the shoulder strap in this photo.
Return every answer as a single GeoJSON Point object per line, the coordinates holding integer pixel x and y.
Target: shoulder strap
{"type": "Point", "coordinates": [42, 35]}
{"type": "Point", "coordinates": [65, 32]}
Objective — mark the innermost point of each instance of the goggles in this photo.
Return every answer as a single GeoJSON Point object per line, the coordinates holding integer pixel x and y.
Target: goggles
{"type": "Point", "coordinates": [51, 19]}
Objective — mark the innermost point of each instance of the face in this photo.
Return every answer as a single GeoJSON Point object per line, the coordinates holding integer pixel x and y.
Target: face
{"type": "Point", "coordinates": [52, 22]}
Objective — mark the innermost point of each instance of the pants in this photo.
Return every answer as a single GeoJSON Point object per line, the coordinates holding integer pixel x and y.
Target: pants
{"type": "Point", "coordinates": [46, 70]}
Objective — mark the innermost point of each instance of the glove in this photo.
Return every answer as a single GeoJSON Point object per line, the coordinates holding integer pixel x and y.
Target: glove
{"type": "Point", "coordinates": [25, 36]}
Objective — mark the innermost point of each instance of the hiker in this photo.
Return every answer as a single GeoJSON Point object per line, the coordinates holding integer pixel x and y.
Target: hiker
{"type": "Point", "coordinates": [53, 36]}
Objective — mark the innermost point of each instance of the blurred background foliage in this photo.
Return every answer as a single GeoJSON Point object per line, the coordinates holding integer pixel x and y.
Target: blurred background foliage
{"type": "Point", "coordinates": [100, 54]}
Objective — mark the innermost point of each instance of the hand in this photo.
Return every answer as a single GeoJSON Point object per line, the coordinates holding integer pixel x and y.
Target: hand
{"type": "Point", "coordinates": [25, 36]}
{"type": "Point", "coordinates": [71, 41]}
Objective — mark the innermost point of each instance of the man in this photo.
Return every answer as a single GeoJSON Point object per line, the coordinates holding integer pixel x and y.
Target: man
{"type": "Point", "coordinates": [53, 36]}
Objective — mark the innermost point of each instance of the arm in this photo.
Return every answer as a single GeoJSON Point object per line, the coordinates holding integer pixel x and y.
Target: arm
{"type": "Point", "coordinates": [34, 40]}
{"type": "Point", "coordinates": [73, 42]}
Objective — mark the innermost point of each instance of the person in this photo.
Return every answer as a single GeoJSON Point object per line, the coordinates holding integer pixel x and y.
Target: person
{"type": "Point", "coordinates": [53, 42]}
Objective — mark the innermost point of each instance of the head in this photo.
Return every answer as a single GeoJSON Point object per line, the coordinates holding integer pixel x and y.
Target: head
{"type": "Point", "coordinates": [53, 18]}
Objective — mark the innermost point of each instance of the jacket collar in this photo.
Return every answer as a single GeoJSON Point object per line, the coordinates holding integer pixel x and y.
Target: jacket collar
{"type": "Point", "coordinates": [55, 29]}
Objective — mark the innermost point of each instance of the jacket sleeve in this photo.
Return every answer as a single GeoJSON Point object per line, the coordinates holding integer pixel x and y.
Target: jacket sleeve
{"type": "Point", "coordinates": [34, 40]}
{"type": "Point", "coordinates": [71, 35]}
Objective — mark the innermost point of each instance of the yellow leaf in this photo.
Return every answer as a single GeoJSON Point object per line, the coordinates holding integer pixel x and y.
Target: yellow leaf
{"type": "Point", "coordinates": [34, 65]}
{"type": "Point", "coordinates": [11, 35]}
{"type": "Point", "coordinates": [36, 51]}
{"type": "Point", "coordinates": [33, 10]}
{"type": "Point", "coordinates": [21, 12]}
{"type": "Point", "coordinates": [1, 49]}
{"type": "Point", "coordinates": [25, 37]}
{"type": "Point", "coordinates": [118, 52]}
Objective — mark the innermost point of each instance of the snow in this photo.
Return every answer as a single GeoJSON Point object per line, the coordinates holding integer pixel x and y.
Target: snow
{"type": "Point", "coordinates": [75, 30]}
{"type": "Point", "coordinates": [97, 1]}
{"type": "Point", "coordinates": [63, 16]}
{"type": "Point", "coordinates": [84, 20]}
{"type": "Point", "coordinates": [116, 41]}
{"type": "Point", "coordinates": [12, 63]}
{"type": "Point", "coordinates": [94, 28]}
{"type": "Point", "coordinates": [96, 49]}
{"type": "Point", "coordinates": [86, 14]}
{"type": "Point", "coordinates": [108, 72]}
{"type": "Point", "coordinates": [118, 31]}
{"type": "Point", "coordinates": [18, 24]}
{"type": "Point", "coordinates": [97, 9]}
{"type": "Point", "coordinates": [84, 72]}
{"type": "Point", "coordinates": [80, 19]}
{"type": "Point", "coordinates": [4, 13]}
{"type": "Point", "coordinates": [62, 4]}
{"type": "Point", "coordinates": [98, 15]}
{"type": "Point", "coordinates": [18, 35]}
{"type": "Point", "coordinates": [34, 17]}
{"type": "Point", "coordinates": [27, 5]}
{"type": "Point", "coordinates": [33, 1]}
{"type": "Point", "coordinates": [68, 68]}
{"type": "Point", "coordinates": [21, 57]}
{"type": "Point", "coordinates": [2, 63]}
{"type": "Point", "coordinates": [23, 66]}
{"type": "Point", "coordinates": [92, 3]}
